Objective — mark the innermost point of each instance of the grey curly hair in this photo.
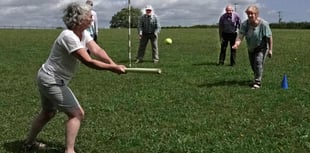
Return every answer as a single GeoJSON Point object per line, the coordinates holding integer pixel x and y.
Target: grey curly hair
{"type": "Point", "coordinates": [74, 13]}
{"type": "Point", "coordinates": [252, 8]}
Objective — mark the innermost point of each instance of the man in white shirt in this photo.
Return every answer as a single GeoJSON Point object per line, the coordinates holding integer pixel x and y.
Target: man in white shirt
{"type": "Point", "coordinates": [93, 29]}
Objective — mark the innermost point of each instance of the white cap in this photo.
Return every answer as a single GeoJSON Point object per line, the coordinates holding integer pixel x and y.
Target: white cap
{"type": "Point", "coordinates": [148, 7]}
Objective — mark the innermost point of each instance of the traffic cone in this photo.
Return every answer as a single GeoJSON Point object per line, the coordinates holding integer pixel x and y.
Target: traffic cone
{"type": "Point", "coordinates": [284, 83]}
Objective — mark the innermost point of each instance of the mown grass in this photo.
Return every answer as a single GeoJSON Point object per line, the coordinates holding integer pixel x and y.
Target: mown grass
{"type": "Point", "coordinates": [194, 106]}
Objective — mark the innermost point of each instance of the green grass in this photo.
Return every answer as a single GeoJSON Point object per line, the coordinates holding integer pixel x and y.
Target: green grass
{"type": "Point", "coordinates": [194, 106]}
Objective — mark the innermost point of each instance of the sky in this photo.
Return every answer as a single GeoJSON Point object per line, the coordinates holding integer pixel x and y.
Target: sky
{"type": "Point", "coordinates": [48, 13]}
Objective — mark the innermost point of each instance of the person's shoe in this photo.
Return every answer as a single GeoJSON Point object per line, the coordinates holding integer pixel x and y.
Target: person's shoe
{"type": "Point", "coordinates": [256, 86]}
{"type": "Point", "coordinates": [34, 146]}
{"type": "Point", "coordinates": [138, 61]}
{"type": "Point", "coordinates": [155, 61]}
{"type": "Point", "coordinates": [220, 63]}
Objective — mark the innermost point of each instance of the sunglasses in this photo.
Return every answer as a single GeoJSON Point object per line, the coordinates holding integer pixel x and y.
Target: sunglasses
{"type": "Point", "coordinates": [90, 3]}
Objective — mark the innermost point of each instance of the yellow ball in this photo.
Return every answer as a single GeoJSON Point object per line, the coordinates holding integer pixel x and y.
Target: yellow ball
{"type": "Point", "coordinates": [168, 41]}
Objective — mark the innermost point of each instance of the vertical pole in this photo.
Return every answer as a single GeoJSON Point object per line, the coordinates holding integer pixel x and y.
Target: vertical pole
{"type": "Point", "coordinates": [280, 18]}
{"type": "Point", "coordinates": [235, 7]}
{"type": "Point", "coordinates": [129, 33]}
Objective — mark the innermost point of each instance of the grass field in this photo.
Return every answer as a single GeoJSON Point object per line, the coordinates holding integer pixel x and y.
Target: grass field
{"type": "Point", "coordinates": [194, 106]}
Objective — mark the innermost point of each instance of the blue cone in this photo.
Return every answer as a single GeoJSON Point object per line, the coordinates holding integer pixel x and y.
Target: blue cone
{"type": "Point", "coordinates": [284, 83]}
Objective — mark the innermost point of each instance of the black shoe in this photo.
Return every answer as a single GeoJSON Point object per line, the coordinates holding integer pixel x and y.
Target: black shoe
{"type": "Point", "coordinates": [38, 146]}
{"type": "Point", "coordinates": [220, 63]}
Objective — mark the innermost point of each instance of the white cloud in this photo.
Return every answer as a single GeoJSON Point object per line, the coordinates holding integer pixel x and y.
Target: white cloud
{"type": "Point", "coordinates": [170, 12]}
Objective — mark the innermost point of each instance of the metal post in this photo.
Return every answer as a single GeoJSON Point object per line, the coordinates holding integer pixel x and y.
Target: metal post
{"type": "Point", "coordinates": [235, 6]}
{"type": "Point", "coordinates": [129, 33]}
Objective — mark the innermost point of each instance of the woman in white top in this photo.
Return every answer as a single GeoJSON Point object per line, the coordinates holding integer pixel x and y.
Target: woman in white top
{"type": "Point", "coordinates": [69, 49]}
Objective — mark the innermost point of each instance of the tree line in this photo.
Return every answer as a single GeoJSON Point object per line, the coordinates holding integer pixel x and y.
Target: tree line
{"type": "Point", "coordinates": [120, 20]}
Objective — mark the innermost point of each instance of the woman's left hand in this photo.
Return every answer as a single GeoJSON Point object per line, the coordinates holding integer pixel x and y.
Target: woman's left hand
{"type": "Point", "coordinates": [269, 53]}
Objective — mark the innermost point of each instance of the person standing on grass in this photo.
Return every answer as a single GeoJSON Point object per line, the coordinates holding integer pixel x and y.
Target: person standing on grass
{"type": "Point", "coordinates": [229, 23]}
{"type": "Point", "coordinates": [68, 51]}
{"type": "Point", "coordinates": [148, 29]}
{"type": "Point", "coordinates": [259, 42]}
{"type": "Point", "coordinates": [93, 29]}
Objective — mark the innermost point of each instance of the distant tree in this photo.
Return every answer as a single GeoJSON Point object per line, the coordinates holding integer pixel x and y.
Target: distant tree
{"type": "Point", "coordinates": [120, 19]}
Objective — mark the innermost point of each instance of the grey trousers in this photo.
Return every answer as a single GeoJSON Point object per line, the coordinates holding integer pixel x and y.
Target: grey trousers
{"type": "Point", "coordinates": [257, 59]}
{"type": "Point", "coordinates": [143, 44]}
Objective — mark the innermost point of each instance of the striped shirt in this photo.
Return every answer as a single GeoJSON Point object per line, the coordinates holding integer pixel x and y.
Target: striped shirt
{"type": "Point", "coordinates": [148, 24]}
{"type": "Point", "coordinates": [93, 29]}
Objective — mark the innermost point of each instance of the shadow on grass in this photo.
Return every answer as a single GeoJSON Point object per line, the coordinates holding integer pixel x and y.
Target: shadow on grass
{"type": "Point", "coordinates": [205, 63]}
{"type": "Point", "coordinates": [124, 61]}
{"type": "Point", "coordinates": [17, 147]}
{"type": "Point", "coordinates": [226, 83]}
{"type": "Point", "coordinates": [133, 61]}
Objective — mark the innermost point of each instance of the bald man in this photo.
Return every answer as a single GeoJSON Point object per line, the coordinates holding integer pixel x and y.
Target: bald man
{"type": "Point", "coordinates": [229, 23]}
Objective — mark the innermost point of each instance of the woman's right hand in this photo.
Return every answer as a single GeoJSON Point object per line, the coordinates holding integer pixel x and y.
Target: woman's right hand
{"type": "Point", "coordinates": [236, 45]}
{"type": "Point", "coordinates": [119, 69]}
